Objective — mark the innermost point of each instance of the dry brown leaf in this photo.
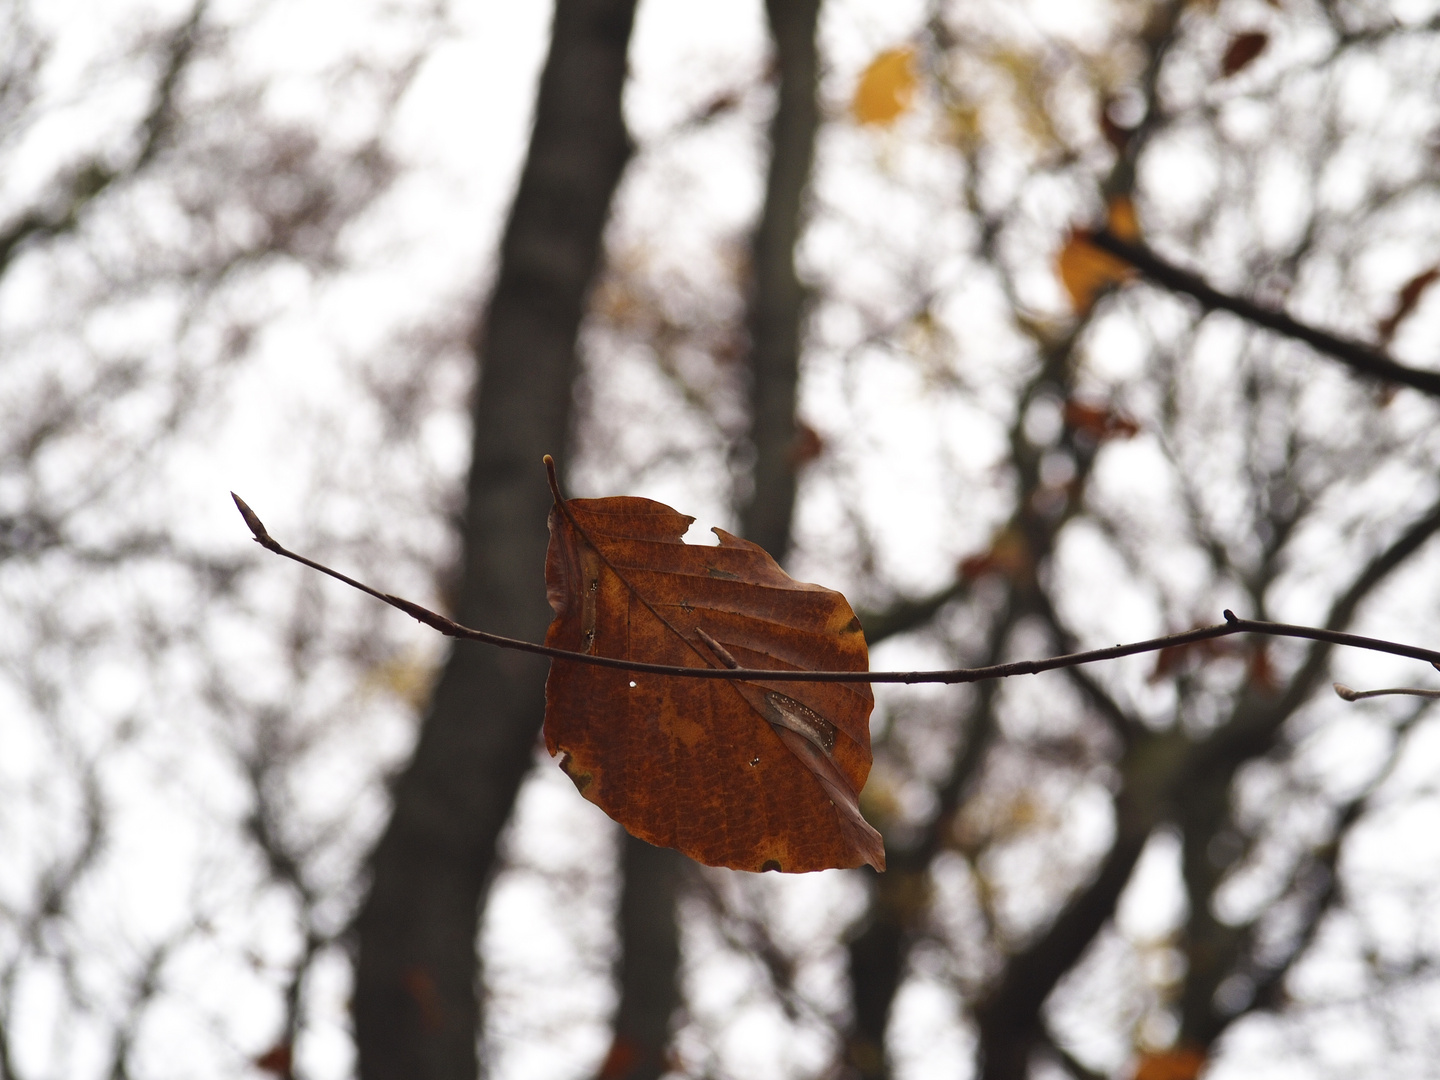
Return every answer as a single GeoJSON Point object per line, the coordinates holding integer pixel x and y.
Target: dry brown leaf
{"type": "Point", "coordinates": [807, 445]}
{"type": "Point", "coordinates": [1259, 668]}
{"type": "Point", "coordinates": [1173, 659]}
{"type": "Point", "coordinates": [886, 88]}
{"type": "Point", "coordinates": [1098, 421]}
{"type": "Point", "coordinates": [1116, 135]}
{"type": "Point", "coordinates": [1008, 556]}
{"type": "Point", "coordinates": [1406, 302]}
{"type": "Point", "coordinates": [277, 1060]}
{"type": "Point", "coordinates": [1243, 49]}
{"type": "Point", "coordinates": [753, 776]}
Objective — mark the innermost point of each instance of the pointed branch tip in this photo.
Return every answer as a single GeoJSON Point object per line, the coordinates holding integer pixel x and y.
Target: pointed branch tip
{"type": "Point", "coordinates": [252, 522]}
{"type": "Point", "coordinates": [1345, 692]}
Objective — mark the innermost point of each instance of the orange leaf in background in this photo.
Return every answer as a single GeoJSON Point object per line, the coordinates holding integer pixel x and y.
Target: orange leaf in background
{"type": "Point", "coordinates": [624, 1055]}
{"type": "Point", "coordinates": [1100, 422]}
{"type": "Point", "coordinates": [1260, 670]}
{"type": "Point", "coordinates": [753, 776]}
{"type": "Point", "coordinates": [278, 1060]}
{"type": "Point", "coordinates": [886, 88]}
{"type": "Point", "coordinates": [1243, 48]}
{"type": "Point", "coordinates": [1173, 658]}
{"type": "Point", "coordinates": [1085, 270]}
{"type": "Point", "coordinates": [1180, 1063]}
{"type": "Point", "coordinates": [1406, 302]}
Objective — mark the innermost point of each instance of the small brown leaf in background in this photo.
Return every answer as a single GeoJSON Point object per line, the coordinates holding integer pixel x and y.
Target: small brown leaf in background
{"type": "Point", "coordinates": [1085, 270]}
{"type": "Point", "coordinates": [1174, 658]}
{"type": "Point", "coordinates": [420, 986]}
{"type": "Point", "coordinates": [1099, 421]}
{"type": "Point", "coordinates": [720, 104]}
{"type": "Point", "coordinates": [807, 445]}
{"type": "Point", "coordinates": [1260, 670]}
{"type": "Point", "coordinates": [1406, 302]}
{"type": "Point", "coordinates": [624, 1055]}
{"type": "Point", "coordinates": [749, 775]}
{"type": "Point", "coordinates": [1008, 556]}
{"type": "Point", "coordinates": [1179, 1063]}
{"type": "Point", "coordinates": [279, 1059]}
{"type": "Point", "coordinates": [1259, 667]}
{"type": "Point", "coordinates": [886, 88]}
{"type": "Point", "coordinates": [1243, 49]}
{"type": "Point", "coordinates": [1117, 136]}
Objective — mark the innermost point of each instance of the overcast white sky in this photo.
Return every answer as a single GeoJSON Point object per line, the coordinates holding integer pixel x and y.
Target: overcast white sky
{"type": "Point", "coordinates": [426, 248]}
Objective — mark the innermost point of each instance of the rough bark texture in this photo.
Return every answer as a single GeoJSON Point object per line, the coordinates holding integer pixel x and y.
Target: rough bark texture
{"type": "Point", "coordinates": [777, 303]}
{"type": "Point", "coordinates": [416, 1007]}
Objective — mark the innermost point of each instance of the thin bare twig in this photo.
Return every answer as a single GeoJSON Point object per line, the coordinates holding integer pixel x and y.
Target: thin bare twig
{"type": "Point", "coordinates": [1232, 625]}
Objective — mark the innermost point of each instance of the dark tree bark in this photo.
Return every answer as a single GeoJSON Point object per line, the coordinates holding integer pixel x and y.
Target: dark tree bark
{"type": "Point", "coordinates": [415, 1006]}
{"type": "Point", "coordinates": [649, 935]}
{"type": "Point", "coordinates": [649, 961]}
{"type": "Point", "coordinates": [777, 301]}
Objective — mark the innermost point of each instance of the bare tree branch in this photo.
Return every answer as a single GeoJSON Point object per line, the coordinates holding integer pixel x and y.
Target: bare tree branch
{"type": "Point", "coordinates": [1355, 355]}
{"type": "Point", "coordinates": [61, 211]}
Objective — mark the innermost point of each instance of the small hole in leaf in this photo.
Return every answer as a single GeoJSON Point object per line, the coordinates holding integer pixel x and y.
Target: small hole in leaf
{"type": "Point", "coordinates": [754, 761]}
{"type": "Point", "coordinates": [632, 684]}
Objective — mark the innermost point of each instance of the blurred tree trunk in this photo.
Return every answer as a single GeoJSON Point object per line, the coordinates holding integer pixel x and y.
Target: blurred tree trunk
{"type": "Point", "coordinates": [649, 961]}
{"type": "Point", "coordinates": [649, 932]}
{"type": "Point", "coordinates": [777, 299]}
{"type": "Point", "coordinates": [415, 1006]}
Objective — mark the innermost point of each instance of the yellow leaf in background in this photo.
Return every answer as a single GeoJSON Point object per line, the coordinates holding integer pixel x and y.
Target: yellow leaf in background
{"type": "Point", "coordinates": [964, 124]}
{"type": "Point", "coordinates": [1122, 219]}
{"type": "Point", "coordinates": [408, 678]}
{"type": "Point", "coordinates": [886, 88]}
{"type": "Point", "coordinates": [1085, 270]}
